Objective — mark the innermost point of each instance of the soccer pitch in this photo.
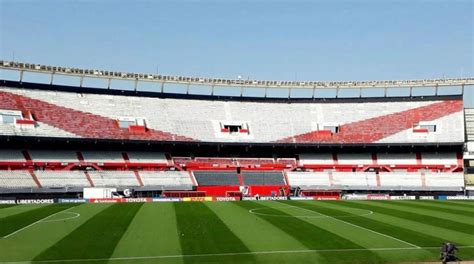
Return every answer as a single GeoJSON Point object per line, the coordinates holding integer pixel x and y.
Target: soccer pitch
{"type": "Point", "coordinates": [236, 232]}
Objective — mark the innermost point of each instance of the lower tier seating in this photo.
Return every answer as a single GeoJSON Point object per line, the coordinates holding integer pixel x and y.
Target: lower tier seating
{"type": "Point", "coordinates": [263, 178]}
{"type": "Point", "coordinates": [16, 179]}
{"type": "Point", "coordinates": [372, 181]}
{"type": "Point", "coordinates": [215, 178]}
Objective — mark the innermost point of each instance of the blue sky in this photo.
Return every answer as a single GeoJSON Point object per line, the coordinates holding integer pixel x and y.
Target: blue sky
{"type": "Point", "coordinates": [302, 40]}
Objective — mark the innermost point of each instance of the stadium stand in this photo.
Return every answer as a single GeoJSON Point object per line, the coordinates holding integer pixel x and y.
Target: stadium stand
{"type": "Point", "coordinates": [58, 137]}
{"type": "Point", "coordinates": [16, 179]}
{"type": "Point", "coordinates": [99, 116]}
{"type": "Point", "coordinates": [58, 156]}
{"type": "Point", "coordinates": [216, 178]}
{"type": "Point", "coordinates": [263, 178]}
{"type": "Point", "coordinates": [62, 179]}
{"type": "Point", "coordinates": [113, 178]}
{"type": "Point", "coordinates": [11, 155]}
{"type": "Point", "coordinates": [169, 180]}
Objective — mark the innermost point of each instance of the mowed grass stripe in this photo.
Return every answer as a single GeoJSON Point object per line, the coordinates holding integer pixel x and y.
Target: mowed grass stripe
{"type": "Point", "coordinates": [468, 204]}
{"type": "Point", "coordinates": [408, 235]}
{"type": "Point", "coordinates": [153, 231]}
{"type": "Point", "coordinates": [201, 231]}
{"type": "Point", "coordinates": [15, 222]}
{"type": "Point", "coordinates": [312, 236]}
{"type": "Point", "coordinates": [2, 206]}
{"type": "Point", "coordinates": [97, 237]}
{"type": "Point", "coordinates": [422, 216]}
{"type": "Point", "coordinates": [448, 209]}
{"type": "Point", "coordinates": [447, 204]}
{"type": "Point", "coordinates": [402, 215]}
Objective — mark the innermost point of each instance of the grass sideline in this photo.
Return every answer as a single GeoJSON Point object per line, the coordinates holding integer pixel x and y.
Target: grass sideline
{"type": "Point", "coordinates": [236, 232]}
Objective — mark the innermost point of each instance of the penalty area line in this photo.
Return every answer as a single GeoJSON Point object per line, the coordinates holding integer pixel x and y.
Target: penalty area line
{"type": "Point", "coordinates": [224, 254]}
{"type": "Point", "coordinates": [37, 222]}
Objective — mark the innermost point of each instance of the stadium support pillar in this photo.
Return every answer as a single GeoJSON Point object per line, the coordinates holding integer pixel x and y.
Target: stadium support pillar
{"type": "Point", "coordinates": [360, 92]}
{"type": "Point", "coordinates": [265, 95]}
{"type": "Point", "coordinates": [108, 83]}
{"type": "Point", "coordinates": [337, 92]}
{"type": "Point", "coordinates": [51, 79]}
{"type": "Point", "coordinates": [241, 91]}
{"type": "Point", "coordinates": [436, 90]}
{"type": "Point", "coordinates": [314, 92]}
{"type": "Point", "coordinates": [411, 91]}
{"type": "Point", "coordinates": [187, 88]}
{"type": "Point", "coordinates": [212, 90]}
{"type": "Point", "coordinates": [135, 86]}
{"type": "Point", "coordinates": [162, 87]}
{"type": "Point", "coordinates": [289, 93]}
{"type": "Point", "coordinates": [21, 76]}
{"type": "Point", "coordinates": [82, 81]}
{"type": "Point", "coordinates": [385, 91]}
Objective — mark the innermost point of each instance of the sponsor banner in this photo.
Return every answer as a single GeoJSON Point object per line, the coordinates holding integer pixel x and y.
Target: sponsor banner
{"type": "Point", "coordinates": [137, 200]}
{"type": "Point", "coordinates": [460, 197]}
{"type": "Point", "coordinates": [334, 197]}
{"type": "Point", "coordinates": [167, 199]}
{"type": "Point", "coordinates": [198, 199]}
{"type": "Point", "coordinates": [270, 198]}
{"type": "Point", "coordinates": [408, 197]}
{"type": "Point", "coordinates": [226, 199]}
{"type": "Point", "coordinates": [72, 200]}
{"type": "Point", "coordinates": [249, 199]}
{"type": "Point", "coordinates": [426, 198]}
{"type": "Point", "coordinates": [301, 198]}
{"type": "Point", "coordinates": [378, 197]}
{"type": "Point", "coordinates": [355, 197]}
{"type": "Point", "coordinates": [7, 201]}
{"type": "Point", "coordinates": [105, 200]}
{"type": "Point", "coordinates": [35, 201]}
{"type": "Point", "coordinates": [442, 197]}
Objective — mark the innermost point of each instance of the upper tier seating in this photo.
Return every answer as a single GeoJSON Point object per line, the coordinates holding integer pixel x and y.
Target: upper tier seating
{"type": "Point", "coordinates": [113, 178]}
{"type": "Point", "coordinates": [51, 179]}
{"type": "Point", "coordinates": [16, 179]}
{"type": "Point", "coordinates": [263, 178]}
{"type": "Point", "coordinates": [213, 178]}
{"type": "Point", "coordinates": [95, 116]}
{"type": "Point", "coordinates": [170, 180]}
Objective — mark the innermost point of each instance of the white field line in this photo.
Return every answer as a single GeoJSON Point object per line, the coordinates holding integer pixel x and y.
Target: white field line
{"type": "Point", "coordinates": [224, 254]}
{"type": "Point", "coordinates": [39, 221]}
{"type": "Point", "coordinates": [354, 225]}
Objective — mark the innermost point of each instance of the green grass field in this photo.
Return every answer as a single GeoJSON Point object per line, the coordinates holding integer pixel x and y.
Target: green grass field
{"type": "Point", "coordinates": [236, 232]}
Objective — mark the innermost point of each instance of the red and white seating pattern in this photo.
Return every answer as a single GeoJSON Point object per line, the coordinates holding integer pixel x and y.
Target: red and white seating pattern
{"type": "Point", "coordinates": [67, 114]}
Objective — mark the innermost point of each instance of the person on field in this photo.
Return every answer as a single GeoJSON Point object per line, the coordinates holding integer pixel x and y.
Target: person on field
{"type": "Point", "coordinates": [448, 251]}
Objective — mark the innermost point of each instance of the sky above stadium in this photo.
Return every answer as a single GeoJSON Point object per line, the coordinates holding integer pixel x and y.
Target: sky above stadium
{"type": "Point", "coordinates": [283, 40]}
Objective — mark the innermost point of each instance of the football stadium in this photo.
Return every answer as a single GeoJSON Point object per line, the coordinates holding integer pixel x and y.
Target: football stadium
{"type": "Point", "coordinates": [111, 175]}
{"type": "Point", "coordinates": [241, 131]}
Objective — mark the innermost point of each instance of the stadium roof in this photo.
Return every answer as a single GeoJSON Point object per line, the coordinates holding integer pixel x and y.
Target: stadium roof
{"type": "Point", "coordinates": [204, 81]}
